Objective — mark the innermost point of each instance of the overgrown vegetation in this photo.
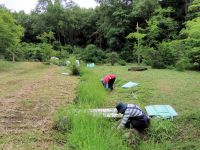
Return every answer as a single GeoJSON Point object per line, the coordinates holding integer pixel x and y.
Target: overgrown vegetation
{"type": "Point", "coordinates": [85, 131]}
{"type": "Point", "coordinates": [91, 92]}
{"type": "Point", "coordinates": [162, 34]}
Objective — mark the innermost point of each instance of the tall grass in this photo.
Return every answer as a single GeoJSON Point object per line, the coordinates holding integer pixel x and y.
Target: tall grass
{"type": "Point", "coordinates": [91, 93]}
{"type": "Point", "coordinates": [88, 132]}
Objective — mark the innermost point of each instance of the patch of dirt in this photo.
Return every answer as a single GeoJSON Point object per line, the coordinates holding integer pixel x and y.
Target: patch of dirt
{"type": "Point", "coordinates": [31, 107]}
{"type": "Point", "coordinates": [137, 69]}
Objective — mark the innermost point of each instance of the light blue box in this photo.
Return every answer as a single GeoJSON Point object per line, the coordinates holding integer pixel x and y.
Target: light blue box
{"type": "Point", "coordinates": [90, 65]}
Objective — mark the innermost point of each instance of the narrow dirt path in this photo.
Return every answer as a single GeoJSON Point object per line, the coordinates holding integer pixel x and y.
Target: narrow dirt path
{"type": "Point", "coordinates": [28, 109]}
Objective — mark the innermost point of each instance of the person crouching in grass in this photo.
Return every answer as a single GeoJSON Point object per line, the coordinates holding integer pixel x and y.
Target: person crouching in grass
{"type": "Point", "coordinates": [133, 117]}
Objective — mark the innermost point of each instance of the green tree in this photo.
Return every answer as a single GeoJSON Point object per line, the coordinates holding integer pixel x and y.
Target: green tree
{"type": "Point", "coordinates": [114, 24]}
{"type": "Point", "coordinates": [139, 37]}
{"type": "Point", "coordinates": [93, 54]}
{"type": "Point", "coordinates": [161, 27]}
{"type": "Point", "coordinates": [144, 9]}
{"type": "Point", "coordinates": [10, 32]}
{"type": "Point", "coordinates": [46, 37]}
{"type": "Point", "coordinates": [191, 34]}
{"type": "Point", "coordinates": [193, 10]}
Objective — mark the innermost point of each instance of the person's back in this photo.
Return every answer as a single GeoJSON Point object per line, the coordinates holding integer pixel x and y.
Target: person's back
{"type": "Point", "coordinates": [109, 80]}
{"type": "Point", "coordinates": [133, 110]}
{"type": "Point", "coordinates": [108, 77]}
{"type": "Point", "coordinates": [133, 116]}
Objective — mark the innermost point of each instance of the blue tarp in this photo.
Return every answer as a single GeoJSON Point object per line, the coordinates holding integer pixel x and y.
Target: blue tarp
{"type": "Point", "coordinates": [162, 111]}
{"type": "Point", "coordinates": [130, 84]}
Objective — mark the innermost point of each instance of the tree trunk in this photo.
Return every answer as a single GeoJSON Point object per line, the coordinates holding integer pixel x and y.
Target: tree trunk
{"type": "Point", "coordinates": [138, 58]}
{"type": "Point", "coordinates": [13, 57]}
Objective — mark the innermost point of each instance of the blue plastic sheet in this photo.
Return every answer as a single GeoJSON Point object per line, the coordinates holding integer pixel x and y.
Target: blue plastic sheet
{"type": "Point", "coordinates": [162, 111]}
{"type": "Point", "coordinates": [130, 84]}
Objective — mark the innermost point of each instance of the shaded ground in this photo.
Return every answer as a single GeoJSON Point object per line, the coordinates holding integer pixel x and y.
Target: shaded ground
{"type": "Point", "coordinates": [29, 95]}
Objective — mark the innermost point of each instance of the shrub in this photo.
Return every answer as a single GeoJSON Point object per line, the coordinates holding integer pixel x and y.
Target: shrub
{"type": "Point", "coordinates": [170, 52]}
{"type": "Point", "coordinates": [194, 56]}
{"type": "Point", "coordinates": [74, 67]}
{"type": "Point", "coordinates": [157, 64]}
{"type": "Point", "coordinates": [122, 62]}
{"type": "Point", "coordinates": [68, 48]}
{"type": "Point", "coordinates": [112, 58]}
{"type": "Point", "coordinates": [54, 60]}
{"type": "Point", "coordinates": [62, 54]}
{"type": "Point", "coordinates": [34, 52]}
{"type": "Point", "coordinates": [57, 45]}
{"type": "Point", "coordinates": [93, 54]}
{"type": "Point", "coordinates": [75, 70]}
{"type": "Point", "coordinates": [182, 64]}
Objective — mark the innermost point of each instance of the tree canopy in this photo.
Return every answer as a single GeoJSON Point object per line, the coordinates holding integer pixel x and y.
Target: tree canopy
{"type": "Point", "coordinates": [110, 27]}
{"type": "Point", "coordinates": [10, 32]}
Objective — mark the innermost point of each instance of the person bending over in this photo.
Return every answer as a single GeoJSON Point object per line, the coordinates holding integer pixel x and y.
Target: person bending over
{"type": "Point", "coordinates": [108, 81]}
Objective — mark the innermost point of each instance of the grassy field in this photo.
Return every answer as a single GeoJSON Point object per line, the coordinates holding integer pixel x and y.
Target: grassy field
{"type": "Point", "coordinates": [178, 89]}
{"type": "Point", "coordinates": [30, 93]}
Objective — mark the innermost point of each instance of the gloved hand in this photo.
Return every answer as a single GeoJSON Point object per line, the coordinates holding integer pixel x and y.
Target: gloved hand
{"type": "Point", "coordinates": [107, 86]}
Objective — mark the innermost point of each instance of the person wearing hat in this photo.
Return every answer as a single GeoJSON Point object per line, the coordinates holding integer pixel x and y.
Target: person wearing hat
{"type": "Point", "coordinates": [133, 116]}
{"type": "Point", "coordinates": [108, 81]}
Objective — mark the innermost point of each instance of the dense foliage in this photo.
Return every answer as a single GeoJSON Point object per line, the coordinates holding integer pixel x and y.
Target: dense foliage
{"type": "Point", "coordinates": [170, 29]}
{"type": "Point", "coordinates": [10, 32]}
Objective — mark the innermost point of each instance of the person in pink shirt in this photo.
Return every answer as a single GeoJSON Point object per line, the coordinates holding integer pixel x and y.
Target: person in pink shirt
{"type": "Point", "coordinates": [108, 81]}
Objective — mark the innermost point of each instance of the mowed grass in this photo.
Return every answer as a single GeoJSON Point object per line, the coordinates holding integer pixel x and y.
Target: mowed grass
{"type": "Point", "coordinates": [181, 90]}
{"type": "Point", "coordinates": [156, 86]}
{"type": "Point", "coordinates": [30, 92]}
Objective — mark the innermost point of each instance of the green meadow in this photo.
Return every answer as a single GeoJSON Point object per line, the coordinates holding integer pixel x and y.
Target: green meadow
{"type": "Point", "coordinates": [181, 90]}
